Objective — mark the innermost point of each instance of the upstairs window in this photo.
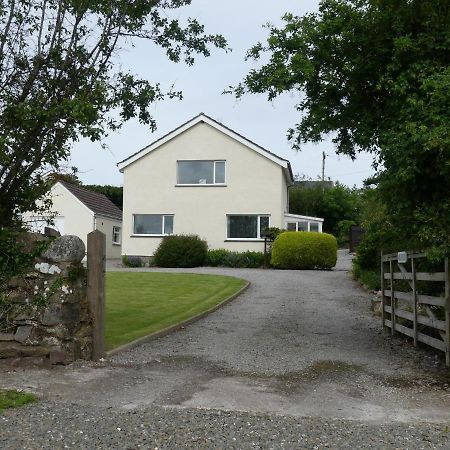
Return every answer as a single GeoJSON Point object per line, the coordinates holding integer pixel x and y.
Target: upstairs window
{"type": "Point", "coordinates": [200, 172]}
{"type": "Point", "coordinates": [152, 224]}
{"type": "Point", "coordinates": [247, 226]}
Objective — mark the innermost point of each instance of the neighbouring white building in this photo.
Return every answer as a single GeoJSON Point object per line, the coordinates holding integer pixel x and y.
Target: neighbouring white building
{"type": "Point", "coordinates": [204, 178]}
{"type": "Point", "coordinates": [78, 211]}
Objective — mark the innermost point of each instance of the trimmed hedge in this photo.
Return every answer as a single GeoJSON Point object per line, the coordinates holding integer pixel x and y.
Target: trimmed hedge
{"type": "Point", "coordinates": [181, 251]}
{"type": "Point", "coordinates": [304, 250]}
{"type": "Point", "coordinates": [217, 257]}
{"type": "Point", "coordinates": [225, 258]}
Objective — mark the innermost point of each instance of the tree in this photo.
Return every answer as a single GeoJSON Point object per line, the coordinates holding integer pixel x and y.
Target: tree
{"type": "Point", "coordinates": [375, 73]}
{"type": "Point", "coordinates": [60, 80]}
{"type": "Point", "coordinates": [333, 203]}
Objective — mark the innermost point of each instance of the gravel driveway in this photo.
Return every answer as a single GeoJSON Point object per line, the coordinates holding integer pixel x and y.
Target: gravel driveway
{"type": "Point", "coordinates": [297, 361]}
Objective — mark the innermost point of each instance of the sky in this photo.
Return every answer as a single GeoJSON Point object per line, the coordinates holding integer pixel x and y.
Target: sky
{"type": "Point", "coordinates": [253, 116]}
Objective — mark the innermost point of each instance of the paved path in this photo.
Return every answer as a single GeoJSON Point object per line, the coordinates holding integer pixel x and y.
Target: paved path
{"type": "Point", "coordinates": [297, 361]}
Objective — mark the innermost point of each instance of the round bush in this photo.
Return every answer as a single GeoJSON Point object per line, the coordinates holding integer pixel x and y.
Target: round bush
{"type": "Point", "coordinates": [181, 251]}
{"type": "Point", "coordinates": [304, 250]}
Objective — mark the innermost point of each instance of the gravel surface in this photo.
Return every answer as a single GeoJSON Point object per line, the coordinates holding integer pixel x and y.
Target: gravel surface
{"type": "Point", "coordinates": [297, 361]}
{"type": "Point", "coordinates": [54, 426]}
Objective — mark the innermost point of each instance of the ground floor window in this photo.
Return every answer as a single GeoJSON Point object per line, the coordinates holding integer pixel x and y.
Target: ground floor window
{"type": "Point", "coordinates": [247, 226]}
{"type": "Point", "coordinates": [153, 224]}
{"type": "Point", "coordinates": [116, 235]}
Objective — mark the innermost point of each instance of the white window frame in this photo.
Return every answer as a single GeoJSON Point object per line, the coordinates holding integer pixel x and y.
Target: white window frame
{"type": "Point", "coordinates": [115, 230]}
{"type": "Point", "coordinates": [163, 224]}
{"type": "Point", "coordinates": [215, 161]}
{"type": "Point", "coordinates": [309, 222]}
{"type": "Point", "coordinates": [257, 239]}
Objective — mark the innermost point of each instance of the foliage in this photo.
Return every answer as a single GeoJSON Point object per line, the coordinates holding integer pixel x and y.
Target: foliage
{"type": "Point", "coordinates": [304, 250]}
{"type": "Point", "coordinates": [17, 253]}
{"type": "Point", "coordinates": [380, 232]}
{"type": "Point", "coordinates": [14, 399]}
{"type": "Point", "coordinates": [375, 74]}
{"type": "Point", "coordinates": [368, 277]}
{"type": "Point", "coordinates": [217, 257]}
{"type": "Point", "coordinates": [272, 232]}
{"type": "Point", "coordinates": [225, 258]}
{"type": "Point", "coordinates": [60, 80]}
{"type": "Point", "coordinates": [132, 261]}
{"type": "Point", "coordinates": [181, 251]}
{"type": "Point", "coordinates": [155, 301]}
{"type": "Point", "coordinates": [247, 259]}
{"type": "Point", "coordinates": [332, 203]}
{"type": "Point", "coordinates": [343, 232]}
{"type": "Point", "coordinates": [114, 193]}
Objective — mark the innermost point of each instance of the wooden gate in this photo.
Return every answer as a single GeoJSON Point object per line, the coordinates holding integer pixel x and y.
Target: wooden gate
{"type": "Point", "coordinates": [408, 308]}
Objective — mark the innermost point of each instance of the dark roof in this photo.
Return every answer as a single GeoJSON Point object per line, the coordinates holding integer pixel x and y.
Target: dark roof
{"type": "Point", "coordinates": [98, 203]}
{"type": "Point", "coordinates": [222, 125]}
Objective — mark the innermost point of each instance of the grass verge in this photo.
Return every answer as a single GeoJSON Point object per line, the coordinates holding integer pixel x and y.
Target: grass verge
{"type": "Point", "coordinates": [141, 303]}
{"type": "Point", "coordinates": [14, 399]}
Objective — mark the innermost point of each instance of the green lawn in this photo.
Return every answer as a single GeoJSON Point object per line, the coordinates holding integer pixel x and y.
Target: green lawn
{"type": "Point", "coordinates": [14, 399]}
{"type": "Point", "coordinates": [141, 303]}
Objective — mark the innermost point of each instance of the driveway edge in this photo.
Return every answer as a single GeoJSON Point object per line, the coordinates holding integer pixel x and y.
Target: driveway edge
{"type": "Point", "coordinates": [172, 328]}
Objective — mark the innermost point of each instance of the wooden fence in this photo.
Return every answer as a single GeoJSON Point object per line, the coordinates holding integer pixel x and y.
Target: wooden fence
{"type": "Point", "coordinates": [424, 318]}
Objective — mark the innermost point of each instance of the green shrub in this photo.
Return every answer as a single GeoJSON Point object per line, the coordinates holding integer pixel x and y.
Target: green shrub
{"type": "Point", "coordinates": [217, 257]}
{"type": "Point", "coordinates": [273, 232]}
{"type": "Point", "coordinates": [181, 251]}
{"type": "Point", "coordinates": [368, 277]}
{"type": "Point", "coordinates": [132, 261]}
{"type": "Point", "coordinates": [225, 258]}
{"type": "Point", "coordinates": [304, 250]}
{"type": "Point", "coordinates": [343, 232]}
{"type": "Point", "coordinates": [245, 259]}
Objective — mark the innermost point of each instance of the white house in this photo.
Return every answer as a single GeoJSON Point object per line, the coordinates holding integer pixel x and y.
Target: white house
{"type": "Point", "coordinates": [204, 178]}
{"type": "Point", "coordinates": [78, 211]}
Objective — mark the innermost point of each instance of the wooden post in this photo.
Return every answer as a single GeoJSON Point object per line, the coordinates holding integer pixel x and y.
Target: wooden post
{"type": "Point", "coordinates": [447, 312]}
{"type": "Point", "coordinates": [96, 260]}
{"type": "Point", "coordinates": [265, 252]}
{"type": "Point", "coordinates": [391, 270]}
{"type": "Point", "coordinates": [414, 289]}
{"type": "Point", "coordinates": [383, 300]}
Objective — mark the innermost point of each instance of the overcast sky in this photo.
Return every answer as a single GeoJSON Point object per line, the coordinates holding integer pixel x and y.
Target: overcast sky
{"type": "Point", "coordinates": [253, 116]}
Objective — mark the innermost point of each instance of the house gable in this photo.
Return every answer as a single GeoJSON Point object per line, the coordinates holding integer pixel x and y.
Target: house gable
{"type": "Point", "coordinates": [203, 118]}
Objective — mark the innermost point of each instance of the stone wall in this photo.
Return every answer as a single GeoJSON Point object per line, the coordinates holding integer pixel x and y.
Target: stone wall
{"type": "Point", "coordinates": [48, 316]}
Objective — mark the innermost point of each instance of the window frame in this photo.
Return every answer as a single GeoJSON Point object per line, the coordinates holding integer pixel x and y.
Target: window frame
{"type": "Point", "coordinates": [163, 225]}
{"type": "Point", "coordinates": [214, 161]}
{"type": "Point", "coordinates": [114, 230]}
{"type": "Point", "coordinates": [259, 238]}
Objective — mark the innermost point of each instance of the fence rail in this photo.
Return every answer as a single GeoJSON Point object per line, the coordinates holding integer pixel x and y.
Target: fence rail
{"type": "Point", "coordinates": [425, 318]}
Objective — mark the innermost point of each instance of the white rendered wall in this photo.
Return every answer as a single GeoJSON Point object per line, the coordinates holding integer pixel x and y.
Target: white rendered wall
{"type": "Point", "coordinates": [105, 225]}
{"type": "Point", "coordinates": [254, 185]}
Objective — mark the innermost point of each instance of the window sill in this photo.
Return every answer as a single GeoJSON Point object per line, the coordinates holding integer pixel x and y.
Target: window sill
{"type": "Point", "coordinates": [116, 243]}
{"type": "Point", "coordinates": [201, 185]}
{"type": "Point", "coordinates": [244, 240]}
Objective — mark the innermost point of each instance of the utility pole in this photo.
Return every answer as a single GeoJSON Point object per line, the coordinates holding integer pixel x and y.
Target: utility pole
{"type": "Point", "coordinates": [323, 166]}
